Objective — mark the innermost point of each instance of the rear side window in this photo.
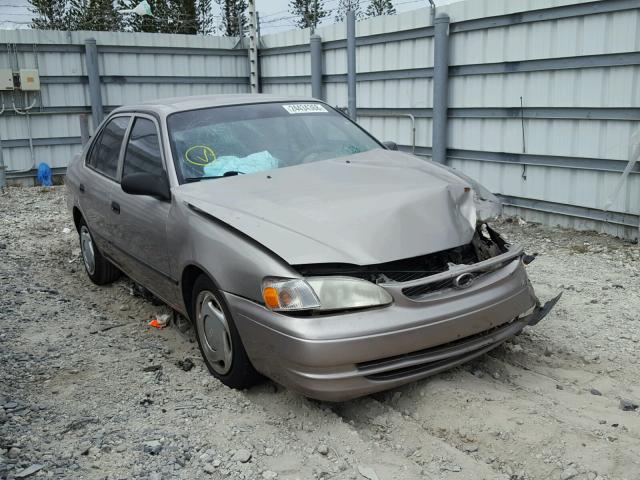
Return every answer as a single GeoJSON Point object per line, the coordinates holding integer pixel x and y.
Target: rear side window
{"type": "Point", "coordinates": [143, 150]}
{"type": "Point", "coordinates": [105, 153]}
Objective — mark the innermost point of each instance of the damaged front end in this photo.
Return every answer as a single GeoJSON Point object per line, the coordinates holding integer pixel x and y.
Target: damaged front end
{"type": "Point", "coordinates": [441, 275]}
{"type": "Point", "coordinates": [465, 293]}
{"type": "Point", "coordinates": [486, 244]}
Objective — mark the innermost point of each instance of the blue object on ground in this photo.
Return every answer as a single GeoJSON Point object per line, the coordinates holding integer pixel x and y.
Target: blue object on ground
{"type": "Point", "coordinates": [256, 162]}
{"type": "Point", "coordinates": [44, 175]}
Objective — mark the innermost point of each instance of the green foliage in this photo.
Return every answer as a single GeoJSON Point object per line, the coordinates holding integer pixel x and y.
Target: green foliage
{"type": "Point", "coordinates": [344, 6]}
{"type": "Point", "coordinates": [93, 15]}
{"type": "Point", "coordinates": [187, 21]}
{"type": "Point", "coordinates": [233, 17]}
{"type": "Point", "coordinates": [308, 12]}
{"type": "Point", "coordinates": [204, 18]}
{"type": "Point", "coordinates": [380, 7]}
{"type": "Point", "coordinates": [48, 14]}
{"type": "Point", "coordinates": [169, 16]}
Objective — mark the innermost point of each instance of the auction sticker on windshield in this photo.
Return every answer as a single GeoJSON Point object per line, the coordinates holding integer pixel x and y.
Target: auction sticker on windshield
{"type": "Point", "coordinates": [305, 108]}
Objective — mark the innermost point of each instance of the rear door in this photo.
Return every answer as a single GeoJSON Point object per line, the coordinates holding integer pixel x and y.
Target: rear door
{"type": "Point", "coordinates": [140, 222]}
{"type": "Point", "coordinates": [99, 178]}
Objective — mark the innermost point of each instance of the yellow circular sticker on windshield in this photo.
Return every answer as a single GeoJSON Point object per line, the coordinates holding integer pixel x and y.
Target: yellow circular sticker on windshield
{"type": "Point", "coordinates": [200, 155]}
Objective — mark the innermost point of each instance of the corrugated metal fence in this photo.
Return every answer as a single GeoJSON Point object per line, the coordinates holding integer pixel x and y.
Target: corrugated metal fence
{"type": "Point", "coordinates": [132, 67]}
{"type": "Point", "coordinates": [544, 95]}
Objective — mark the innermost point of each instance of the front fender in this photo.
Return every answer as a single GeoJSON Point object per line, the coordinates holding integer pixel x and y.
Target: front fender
{"type": "Point", "coordinates": [235, 262]}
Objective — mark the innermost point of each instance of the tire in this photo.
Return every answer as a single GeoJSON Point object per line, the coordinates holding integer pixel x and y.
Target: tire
{"type": "Point", "coordinates": [218, 339]}
{"type": "Point", "coordinates": [100, 270]}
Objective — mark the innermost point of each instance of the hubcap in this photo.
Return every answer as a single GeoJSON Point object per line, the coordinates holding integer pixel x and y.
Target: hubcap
{"type": "Point", "coordinates": [88, 253]}
{"type": "Point", "coordinates": [213, 330]}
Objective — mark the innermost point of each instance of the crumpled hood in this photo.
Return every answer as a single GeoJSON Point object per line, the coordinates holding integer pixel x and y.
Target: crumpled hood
{"type": "Point", "coordinates": [364, 209]}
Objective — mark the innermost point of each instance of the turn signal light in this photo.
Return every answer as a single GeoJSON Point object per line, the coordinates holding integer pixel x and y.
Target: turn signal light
{"type": "Point", "coordinates": [270, 296]}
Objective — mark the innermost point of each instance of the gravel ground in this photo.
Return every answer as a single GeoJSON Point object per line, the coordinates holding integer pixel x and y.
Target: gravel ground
{"type": "Point", "coordinates": [89, 390]}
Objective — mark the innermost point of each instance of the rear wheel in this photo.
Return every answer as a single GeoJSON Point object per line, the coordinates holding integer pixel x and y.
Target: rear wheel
{"type": "Point", "coordinates": [218, 338]}
{"type": "Point", "coordinates": [98, 268]}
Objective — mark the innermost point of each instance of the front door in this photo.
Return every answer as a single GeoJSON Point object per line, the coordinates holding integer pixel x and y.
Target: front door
{"type": "Point", "coordinates": [98, 179]}
{"type": "Point", "coordinates": [140, 221]}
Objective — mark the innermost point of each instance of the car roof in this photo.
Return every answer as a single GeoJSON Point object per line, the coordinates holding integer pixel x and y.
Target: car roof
{"type": "Point", "coordinates": [166, 106]}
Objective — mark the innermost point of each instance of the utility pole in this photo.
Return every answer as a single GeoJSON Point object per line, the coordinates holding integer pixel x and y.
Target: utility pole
{"type": "Point", "coordinates": [254, 66]}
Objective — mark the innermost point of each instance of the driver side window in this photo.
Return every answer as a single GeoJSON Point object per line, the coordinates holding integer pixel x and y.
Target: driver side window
{"type": "Point", "coordinates": [143, 153]}
{"type": "Point", "coordinates": [106, 149]}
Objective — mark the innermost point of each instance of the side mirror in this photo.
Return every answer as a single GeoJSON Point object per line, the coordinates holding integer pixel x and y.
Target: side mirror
{"type": "Point", "coordinates": [390, 145]}
{"type": "Point", "coordinates": [146, 184]}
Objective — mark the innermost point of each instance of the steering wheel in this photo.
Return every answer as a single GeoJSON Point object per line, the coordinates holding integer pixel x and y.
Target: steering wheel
{"type": "Point", "coordinates": [311, 153]}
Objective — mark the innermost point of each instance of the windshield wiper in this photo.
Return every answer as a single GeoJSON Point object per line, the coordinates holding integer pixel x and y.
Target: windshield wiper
{"type": "Point", "coordinates": [196, 179]}
{"type": "Point", "coordinates": [230, 173]}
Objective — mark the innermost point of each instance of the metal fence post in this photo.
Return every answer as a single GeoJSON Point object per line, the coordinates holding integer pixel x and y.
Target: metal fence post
{"type": "Point", "coordinates": [84, 128]}
{"type": "Point", "coordinates": [254, 45]}
{"type": "Point", "coordinates": [440, 88]}
{"type": "Point", "coordinates": [93, 72]}
{"type": "Point", "coordinates": [351, 63]}
{"type": "Point", "coordinates": [316, 66]}
{"type": "Point", "coordinates": [3, 169]}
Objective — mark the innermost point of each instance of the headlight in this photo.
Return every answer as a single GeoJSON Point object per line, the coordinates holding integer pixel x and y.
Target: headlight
{"type": "Point", "coordinates": [322, 293]}
{"type": "Point", "coordinates": [288, 294]}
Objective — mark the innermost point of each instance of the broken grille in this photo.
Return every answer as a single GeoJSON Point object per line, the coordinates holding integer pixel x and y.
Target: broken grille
{"type": "Point", "coordinates": [400, 270]}
{"type": "Point", "coordinates": [484, 245]}
{"type": "Point", "coordinates": [420, 290]}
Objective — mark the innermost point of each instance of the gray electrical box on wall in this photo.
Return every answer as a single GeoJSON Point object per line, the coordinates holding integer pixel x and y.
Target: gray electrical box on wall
{"type": "Point", "coordinates": [29, 79]}
{"type": "Point", "coordinates": [6, 79]}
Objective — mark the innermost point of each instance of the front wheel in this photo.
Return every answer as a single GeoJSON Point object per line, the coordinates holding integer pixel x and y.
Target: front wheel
{"type": "Point", "coordinates": [98, 268]}
{"type": "Point", "coordinates": [218, 338]}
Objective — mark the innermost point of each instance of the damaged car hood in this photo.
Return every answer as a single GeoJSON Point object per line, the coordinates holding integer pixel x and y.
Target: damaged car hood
{"type": "Point", "coordinates": [364, 209]}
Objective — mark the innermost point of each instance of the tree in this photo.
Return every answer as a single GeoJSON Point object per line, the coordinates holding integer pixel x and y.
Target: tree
{"type": "Point", "coordinates": [48, 14]}
{"type": "Point", "coordinates": [205, 18]}
{"type": "Point", "coordinates": [344, 6]}
{"type": "Point", "coordinates": [380, 7]}
{"type": "Point", "coordinates": [93, 15]}
{"type": "Point", "coordinates": [309, 12]}
{"type": "Point", "coordinates": [233, 17]}
{"type": "Point", "coordinates": [166, 17]}
{"type": "Point", "coordinates": [187, 20]}
{"type": "Point", "coordinates": [169, 16]}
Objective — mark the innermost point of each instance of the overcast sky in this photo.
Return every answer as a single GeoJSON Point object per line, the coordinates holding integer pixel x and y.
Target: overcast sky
{"type": "Point", "coordinates": [274, 14]}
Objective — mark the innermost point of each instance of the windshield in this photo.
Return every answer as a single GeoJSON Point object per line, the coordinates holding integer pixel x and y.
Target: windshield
{"type": "Point", "coordinates": [244, 139]}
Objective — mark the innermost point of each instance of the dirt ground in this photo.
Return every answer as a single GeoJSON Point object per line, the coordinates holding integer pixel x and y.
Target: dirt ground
{"type": "Point", "coordinates": [89, 390]}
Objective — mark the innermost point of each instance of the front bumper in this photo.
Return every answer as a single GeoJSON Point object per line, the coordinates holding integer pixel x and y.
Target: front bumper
{"type": "Point", "coordinates": [338, 357]}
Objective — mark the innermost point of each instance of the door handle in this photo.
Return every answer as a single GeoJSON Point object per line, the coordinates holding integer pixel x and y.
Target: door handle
{"type": "Point", "coordinates": [81, 188]}
{"type": "Point", "coordinates": [115, 207]}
